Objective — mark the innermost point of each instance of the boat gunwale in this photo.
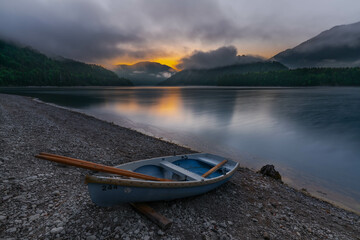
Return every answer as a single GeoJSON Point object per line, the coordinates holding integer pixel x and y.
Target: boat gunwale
{"type": "Point", "coordinates": [156, 184]}
{"type": "Point", "coordinates": [103, 179]}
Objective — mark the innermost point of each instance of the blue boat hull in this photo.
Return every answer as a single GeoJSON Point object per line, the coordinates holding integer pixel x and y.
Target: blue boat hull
{"type": "Point", "coordinates": [185, 174]}
{"type": "Point", "coordinates": [107, 195]}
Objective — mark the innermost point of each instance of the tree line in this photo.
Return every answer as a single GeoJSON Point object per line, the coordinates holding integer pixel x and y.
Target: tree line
{"type": "Point", "coordinates": [295, 77]}
{"type": "Point", "coordinates": [23, 66]}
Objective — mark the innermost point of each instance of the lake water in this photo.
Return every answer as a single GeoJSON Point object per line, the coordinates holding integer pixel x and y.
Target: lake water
{"type": "Point", "coordinates": [311, 135]}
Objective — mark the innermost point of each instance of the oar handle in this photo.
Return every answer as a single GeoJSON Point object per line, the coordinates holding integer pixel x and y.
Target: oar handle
{"type": "Point", "coordinates": [214, 169]}
{"type": "Point", "coordinates": [96, 167]}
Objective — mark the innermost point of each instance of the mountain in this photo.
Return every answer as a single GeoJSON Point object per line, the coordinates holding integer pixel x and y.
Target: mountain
{"type": "Point", "coordinates": [23, 66]}
{"type": "Point", "coordinates": [337, 47]}
{"type": "Point", "coordinates": [211, 76]}
{"type": "Point", "coordinates": [145, 73]}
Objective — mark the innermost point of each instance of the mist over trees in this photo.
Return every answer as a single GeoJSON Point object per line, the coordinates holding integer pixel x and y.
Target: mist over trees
{"type": "Point", "coordinates": [144, 73]}
{"type": "Point", "coordinates": [209, 77]}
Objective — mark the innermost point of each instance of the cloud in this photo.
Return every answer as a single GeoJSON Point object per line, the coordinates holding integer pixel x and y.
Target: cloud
{"type": "Point", "coordinates": [97, 31]}
{"type": "Point", "coordinates": [77, 31]}
{"type": "Point", "coordinates": [165, 74]}
{"type": "Point", "coordinates": [202, 19]}
{"type": "Point", "coordinates": [223, 56]}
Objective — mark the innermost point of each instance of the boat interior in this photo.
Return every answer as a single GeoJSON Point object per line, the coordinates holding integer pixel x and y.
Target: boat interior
{"type": "Point", "coordinates": [180, 168]}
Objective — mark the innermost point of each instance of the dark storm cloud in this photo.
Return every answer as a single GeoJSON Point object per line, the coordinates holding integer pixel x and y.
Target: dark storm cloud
{"type": "Point", "coordinates": [220, 57]}
{"type": "Point", "coordinates": [96, 30]}
{"type": "Point", "coordinates": [75, 30]}
{"type": "Point", "coordinates": [202, 19]}
{"type": "Point", "coordinates": [92, 30]}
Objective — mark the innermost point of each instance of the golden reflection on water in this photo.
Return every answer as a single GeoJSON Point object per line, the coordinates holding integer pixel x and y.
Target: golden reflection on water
{"type": "Point", "coordinates": [169, 104]}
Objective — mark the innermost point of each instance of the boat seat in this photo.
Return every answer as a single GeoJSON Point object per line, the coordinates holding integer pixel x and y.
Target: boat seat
{"type": "Point", "coordinates": [179, 170]}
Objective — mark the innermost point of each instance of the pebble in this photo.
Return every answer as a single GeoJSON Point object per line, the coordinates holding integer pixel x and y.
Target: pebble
{"type": "Point", "coordinates": [56, 230]}
{"type": "Point", "coordinates": [34, 217]}
{"type": "Point", "coordinates": [224, 237]}
{"type": "Point", "coordinates": [206, 224]}
{"type": "Point", "coordinates": [92, 237]}
{"type": "Point", "coordinates": [32, 178]}
{"type": "Point", "coordinates": [56, 193]}
{"type": "Point", "coordinates": [6, 197]}
{"type": "Point", "coordinates": [222, 224]}
{"type": "Point", "coordinates": [160, 233]}
{"type": "Point", "coordinates": [11, 230]}
{"type": "Point", "coordinates": [2, 218]}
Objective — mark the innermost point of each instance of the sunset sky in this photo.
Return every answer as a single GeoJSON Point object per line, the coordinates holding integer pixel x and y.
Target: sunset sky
{"type": "Point", "coordinates": [128, 31]}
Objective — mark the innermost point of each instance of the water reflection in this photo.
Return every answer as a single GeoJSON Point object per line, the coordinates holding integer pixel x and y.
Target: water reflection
{"type": "Point", "coordinates": [313, 135]}
{"type": "Point", "coordinates": [175, 108]}
{"type": "Point", "coordinates": [164, 105]}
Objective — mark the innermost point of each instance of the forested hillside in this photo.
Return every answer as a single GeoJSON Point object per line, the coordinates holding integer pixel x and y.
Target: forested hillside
{"type": "Point", "coordinates": [296, 77]}
{"type": "Point", "coordinates": [23, 66]}
{"type": "Point", "coordinates": [211, 76]}
{"type": "Point", "coordinates": [336, 47]}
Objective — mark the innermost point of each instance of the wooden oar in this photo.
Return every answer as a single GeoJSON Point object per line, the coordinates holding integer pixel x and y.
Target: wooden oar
{"type": "Point", "coordinates": [214, 169]}
{"type": "Point", "coordinates": [96, 167]}
{"type": "Point", "coordinates": [154, 216]}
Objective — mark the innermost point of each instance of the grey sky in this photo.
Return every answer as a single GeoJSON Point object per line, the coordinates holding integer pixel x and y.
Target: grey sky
{"type": "Point", "coordinates": [107, 31]}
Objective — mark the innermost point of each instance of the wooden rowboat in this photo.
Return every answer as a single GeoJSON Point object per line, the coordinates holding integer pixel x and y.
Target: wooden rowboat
{"type": "Point", "coordinates": [187, 175]}
{"type": "Point", "coordinates": [155, 179]}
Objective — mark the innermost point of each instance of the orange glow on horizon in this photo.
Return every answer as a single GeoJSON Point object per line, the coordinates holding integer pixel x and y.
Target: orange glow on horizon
{"type": "Point", "coordinates": [171, 62]}
{"type": "Point", "coordinates": [174, 60]}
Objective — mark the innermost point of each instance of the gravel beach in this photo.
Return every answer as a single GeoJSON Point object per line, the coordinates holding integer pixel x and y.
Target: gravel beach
{"type": "Point", "coordinates": [44, 200]}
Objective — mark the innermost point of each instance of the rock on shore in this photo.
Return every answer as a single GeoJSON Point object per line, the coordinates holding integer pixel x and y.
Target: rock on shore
{"type": "Point", "coordinates": [43, 200]}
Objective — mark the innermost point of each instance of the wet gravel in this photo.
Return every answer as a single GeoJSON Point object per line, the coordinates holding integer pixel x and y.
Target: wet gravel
{"type": "Point", "coordinates": [44, 200]}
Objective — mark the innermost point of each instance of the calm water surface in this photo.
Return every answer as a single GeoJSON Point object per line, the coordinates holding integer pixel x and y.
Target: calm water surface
{"type": "Point", "coordinates": [312, 135]}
